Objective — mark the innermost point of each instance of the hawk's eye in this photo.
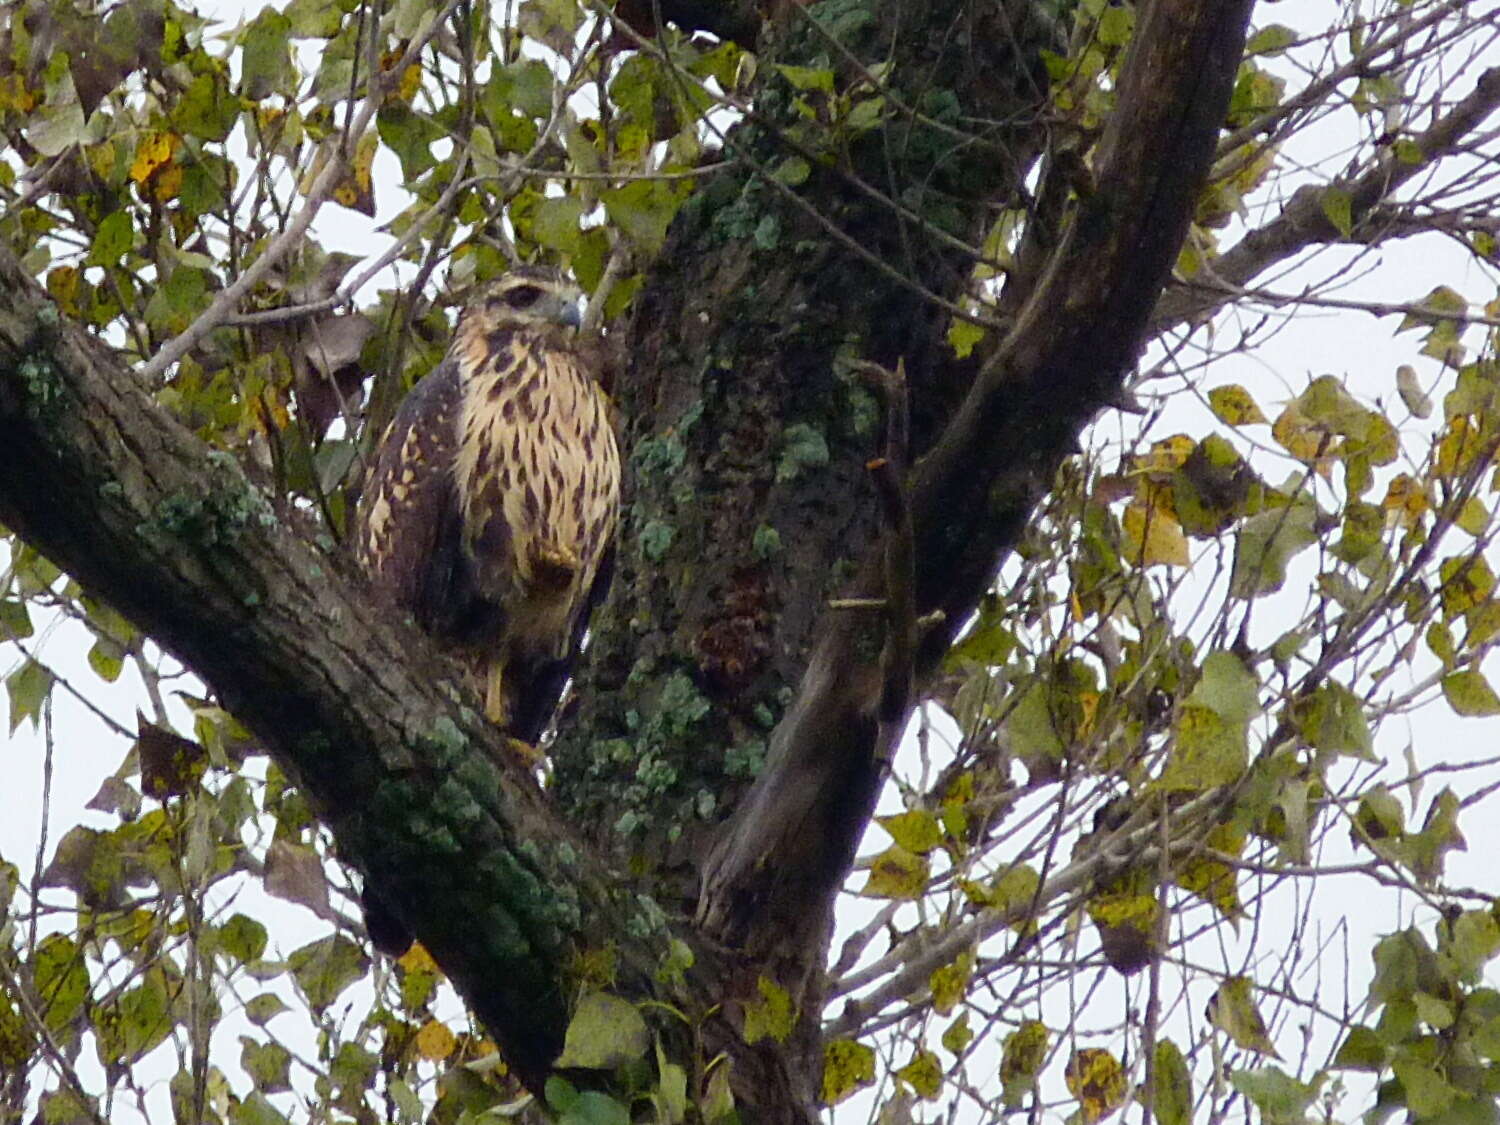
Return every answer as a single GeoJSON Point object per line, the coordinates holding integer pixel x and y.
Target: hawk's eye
{"type": "Point", "coordinates": [522, 296]}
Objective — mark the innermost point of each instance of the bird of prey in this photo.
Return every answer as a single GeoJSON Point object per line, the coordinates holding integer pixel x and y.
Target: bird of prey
{"type": "Point", "coordinates": [490, 509]}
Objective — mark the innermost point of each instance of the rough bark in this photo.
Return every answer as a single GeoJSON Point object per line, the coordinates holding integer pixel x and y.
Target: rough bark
{"type": "Point", "coordinates": [745, 430]}
{"type": "Point", "coordinates": [747, 502]}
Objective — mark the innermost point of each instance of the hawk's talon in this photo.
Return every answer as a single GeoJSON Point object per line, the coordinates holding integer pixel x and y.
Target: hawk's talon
{"type": "Point", "coordinates": [530, 756]}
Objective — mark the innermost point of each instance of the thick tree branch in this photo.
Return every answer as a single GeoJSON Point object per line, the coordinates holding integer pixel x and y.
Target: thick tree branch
{"type": "Point", "coordinates": [358, 709]}
{"type": "Point", "coordinates": [785, 852]}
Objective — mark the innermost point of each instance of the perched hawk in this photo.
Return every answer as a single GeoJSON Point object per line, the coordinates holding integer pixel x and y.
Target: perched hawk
{"type": "Point", "coordinates": [489, 513]}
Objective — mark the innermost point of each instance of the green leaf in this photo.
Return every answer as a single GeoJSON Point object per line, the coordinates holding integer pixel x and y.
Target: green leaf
{"type": "Point", "coordinates": [174, 304]}
{"type": "Point", "coordinates": [670, 1096]}
{"type": "Point", "coordinates": [1271, 40]}
{"type": "Point", "coordinates": [1173, 1095]}
{"type": "Point", "coordinates": [1267, 542]}
{"type": "Point", "coordinates": [410, 136]}
{"type": "Point", "coordinates": [1227, 688]}
{"type": "Point", "coordinates": [1332, 719]}
{"type": "Point", "coordinates": [269, 1065]}
{"type": "Point", "coordinates": [66, 1107]}
{"type": "Point", "coordinates": [560, 1094]}
{"type": "Point", "coordinates": [593, 1107]}
{"type": "Point", "coordinates": [207, 109]}
{"type": "Point", "coordinates": [1476, 938]}
{"type": "Point", "coordinates": [241, 937]}
{"type": "Point", "coordinates": [642, 209]}
{"type": "Point", "coordinates": [1338, 207]}
{"type": "Point", "coordinates": [17, 1040]}
{"type": "Point", "coordinates": [61, 980]}
{"type": "Point", "coordinates": [107, 658]}
{"type": "Point", "coordinates": [807, 77]}
{"type": "Point", "coordinates": [1232, 1009]}
{"type": "Point", "coordinates": [1021, 1060]}
{"type": "Point", "coordinates": [957, 1035]}
{"type": "Point", "coordinates": [524, 86]}
{"type": "Point", "coordinates": [266, 64]}
{"type": "Point", "coordinates": [555, 222]}
{"type": "Point", "coordinates": [1470, 694]}
{"type": "Point", "coordinates": [1281, 1099]}
{"type": "Point", "coordinates": [262, 1009]}
{"type": "Point", "coordinates": [324, 968]}
{"type": "Point", "coordinates": [135, 1023]}
{"type": "Point", "coordinates": [256, 1110]}
{"type": "Point", "coordinates": [314, 19]}
{"type": "Point", "coordinates": [113, 239]}
{"type": "Point", "coordinates": [1428, 1093]}
{"type": "Point", "coordinates": [605, 1032]}
{"type": "Point", "coordinates": [52, 129]}
{"type": "Point", "coordinates": [28, 686]}
{"type": "Point", "coordinates": [1361, 1050]}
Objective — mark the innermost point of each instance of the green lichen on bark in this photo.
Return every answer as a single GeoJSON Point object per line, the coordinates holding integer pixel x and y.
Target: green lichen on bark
{"type": "Point", "coordinates": [744, 516]}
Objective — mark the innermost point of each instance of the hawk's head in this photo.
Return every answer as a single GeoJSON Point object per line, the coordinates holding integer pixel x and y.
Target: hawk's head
{"type": "Point", "coordinates": [529, 297]}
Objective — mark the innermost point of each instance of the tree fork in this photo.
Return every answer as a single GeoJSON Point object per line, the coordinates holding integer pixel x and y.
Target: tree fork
{"type": "Point", "coordinates": [774, 872]}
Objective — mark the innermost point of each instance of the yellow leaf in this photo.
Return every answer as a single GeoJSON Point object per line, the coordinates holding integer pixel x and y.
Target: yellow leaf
{"type": "Point", "coordinates": [772, 1015]}
{"type": "Point", "coordinates": [923, 1074]}
{"type": "Point", "coordinates": [417, 959]}
{"type": "Point", "coordinates": [355, 188]}
{"type": "Point", "coordinates": [950, 982]}
{"type": "Point", "coordinates": [411, 78]}
{"type": "Point", "coordinates": [168, 183]}
{"type": "Point", "coordinates": [1166, 455]}
{"type": "Point", "coordinates": [847, 1066]}
{"type": "Point", "coordinates": [435, 1042]}
{"type": "Point", "coordinates": [897, 873]}
{"type": "Point", "coordinates": [1097, 1080]}
{"type": "Point", "coordinates": [1233, 405]}
{"type": "Point", "coordinates": [14, 94]}
{"type": "Point", "coordinates": [1155, 537]}
{"type": "Point", "coordinates": [1405, 497]}
{"type": "Point", "coordinates": [962, 336]}
{"type": "Point", "coordinates": [916, 831]}
{"type": "Point", "coordinates": [1025, 1051]}
{"type": "Point", "coordinates": [1211, 880]}
{"type": "Point", "coordinates": [156, 150]}
{"type": "Point", "coordinates": [62, 286]}
{"type": "Point", "coordinates": [1303, 439]}
{"type": "Point", "coordinates": [957, 1036]}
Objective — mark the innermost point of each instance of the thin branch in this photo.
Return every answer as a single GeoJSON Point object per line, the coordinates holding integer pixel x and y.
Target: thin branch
{"type": "Point", "coordinates": [337, 155]}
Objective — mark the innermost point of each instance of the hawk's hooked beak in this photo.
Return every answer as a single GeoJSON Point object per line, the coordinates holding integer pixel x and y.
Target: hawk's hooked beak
{"type": "Point", "coordinates": [566, 308]}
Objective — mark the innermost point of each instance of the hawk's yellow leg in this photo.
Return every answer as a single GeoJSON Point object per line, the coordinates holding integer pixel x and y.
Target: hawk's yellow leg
{"type": "Point", "coordinates": [497, 710]}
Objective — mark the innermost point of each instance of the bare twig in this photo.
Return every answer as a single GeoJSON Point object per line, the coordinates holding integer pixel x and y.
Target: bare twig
{"type": "Point", "coordinates": [322, 187]}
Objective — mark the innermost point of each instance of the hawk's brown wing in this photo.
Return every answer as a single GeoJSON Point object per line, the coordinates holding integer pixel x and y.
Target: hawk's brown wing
{"type": "Point", "coordinates": [409, 535]}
